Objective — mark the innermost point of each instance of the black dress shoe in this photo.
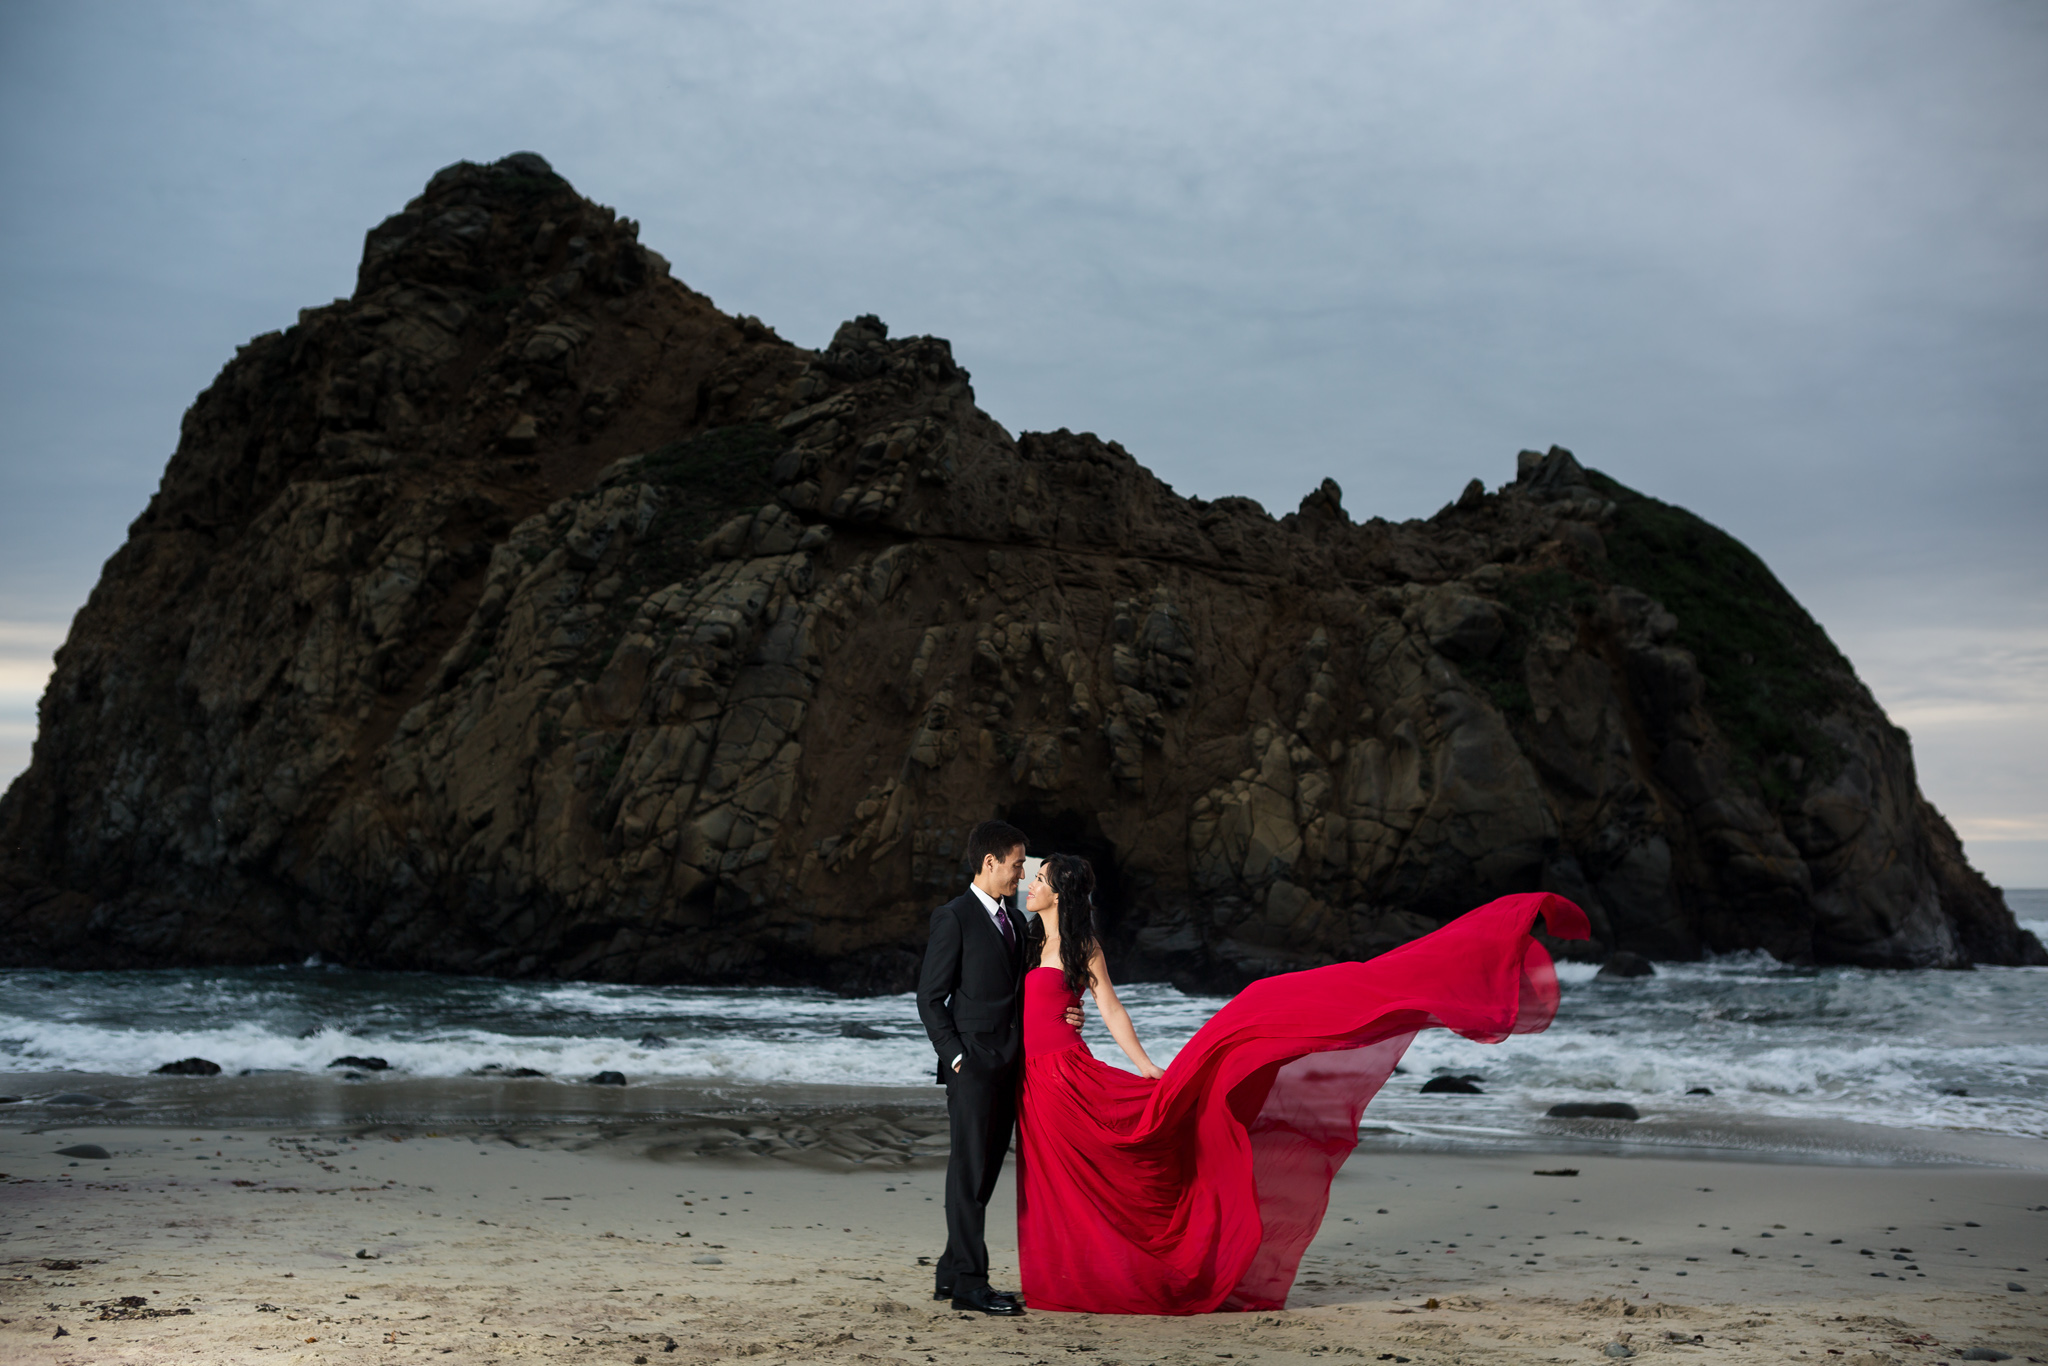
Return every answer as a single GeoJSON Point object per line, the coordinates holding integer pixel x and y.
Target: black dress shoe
{"type": "Point", "coordinates": [986, 1301]}
{"type": "Point", "coordinates": [945, 1292]}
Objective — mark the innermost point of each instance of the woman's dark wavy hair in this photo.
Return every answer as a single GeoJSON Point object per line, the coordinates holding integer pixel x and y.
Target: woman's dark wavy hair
{"type": "Point", "coordinates": [1072, 880]}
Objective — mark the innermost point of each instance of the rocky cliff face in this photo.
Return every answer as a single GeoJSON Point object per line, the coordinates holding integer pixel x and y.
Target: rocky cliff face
{"type": "Point", "coordinates": [524, 614]}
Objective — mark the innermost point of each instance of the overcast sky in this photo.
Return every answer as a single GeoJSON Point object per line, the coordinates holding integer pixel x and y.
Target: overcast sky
{"type": "Point", "coordinates": [1785, 265]}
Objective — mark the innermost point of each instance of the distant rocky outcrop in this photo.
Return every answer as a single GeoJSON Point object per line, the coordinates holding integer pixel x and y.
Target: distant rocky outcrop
{"type": "Point", "coordinates": [524, 614]}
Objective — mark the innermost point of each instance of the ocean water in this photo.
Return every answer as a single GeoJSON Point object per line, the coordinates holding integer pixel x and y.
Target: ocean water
{"type": "Point", "coordinates": [1912, 1052]}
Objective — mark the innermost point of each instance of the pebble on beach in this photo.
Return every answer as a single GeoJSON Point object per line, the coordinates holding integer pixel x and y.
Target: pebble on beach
{"type": "Point", "coordinates": [189, 1067]}
{"type": "Point", "coordinates": [609, 1079]}
{"type": "Point", "coordinates": [1593, 1109]}
{"type": "Point", "coordinates": [87, 1150]}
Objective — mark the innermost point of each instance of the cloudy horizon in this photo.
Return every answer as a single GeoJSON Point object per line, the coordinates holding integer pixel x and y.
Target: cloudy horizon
{"type": "Point", "coordinates": [1782, 268]}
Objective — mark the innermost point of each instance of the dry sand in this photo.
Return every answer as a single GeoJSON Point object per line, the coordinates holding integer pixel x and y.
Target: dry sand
{"type": "Point", "coordinates": [625, 1244]}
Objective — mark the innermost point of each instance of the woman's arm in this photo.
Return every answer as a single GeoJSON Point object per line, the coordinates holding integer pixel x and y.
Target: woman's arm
{"type": "Point", "coordinates": [1119, 1020]}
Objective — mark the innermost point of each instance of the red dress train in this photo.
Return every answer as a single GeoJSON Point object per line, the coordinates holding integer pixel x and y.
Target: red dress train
{"type": "Point", "coordinates": [1200, 1191]}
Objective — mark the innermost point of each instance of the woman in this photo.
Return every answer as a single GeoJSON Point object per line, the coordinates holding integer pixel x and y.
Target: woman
{"type": "Point", "coordinates": [1198, 1186]}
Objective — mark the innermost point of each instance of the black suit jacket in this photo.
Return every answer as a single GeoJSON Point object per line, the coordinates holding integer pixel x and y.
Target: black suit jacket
{"type": "Point", "coordinates": [970, 991]}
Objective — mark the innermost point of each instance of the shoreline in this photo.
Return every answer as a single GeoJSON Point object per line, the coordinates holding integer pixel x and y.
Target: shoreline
{"type": "Point", "coordinates": [789, 1119]}
{"type": "Point", "coordinates": [569, 1243]}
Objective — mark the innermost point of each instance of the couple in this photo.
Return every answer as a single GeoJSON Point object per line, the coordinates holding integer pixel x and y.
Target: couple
{"type": "Point", "coordinates": [1198, 1186]}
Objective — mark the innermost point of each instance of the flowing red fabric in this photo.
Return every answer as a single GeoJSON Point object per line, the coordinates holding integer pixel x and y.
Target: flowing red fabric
{"type": "Point", "coordinates": [1200, 1191]}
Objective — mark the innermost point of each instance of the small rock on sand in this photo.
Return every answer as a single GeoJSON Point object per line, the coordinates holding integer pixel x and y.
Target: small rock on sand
{"type": "Point", "coordinates": [90, 1150]}
{"type": "Point", "coordinates": [189, 1067]}
{"type": "Point", "coordinates": [1593, 1109]}
{"type": "Point", "coordinates": [1986, 1354]}
{"type": "Point", "coordinates": [2016, 1286]}
{"type": "Point", "coordinates": [1619, 1349]}
{"type": "Point", "coordinates": [709, 1259]}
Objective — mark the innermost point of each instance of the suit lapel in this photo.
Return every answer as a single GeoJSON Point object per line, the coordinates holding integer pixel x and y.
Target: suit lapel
{"type": "Point", "coordinates": [980, 913]}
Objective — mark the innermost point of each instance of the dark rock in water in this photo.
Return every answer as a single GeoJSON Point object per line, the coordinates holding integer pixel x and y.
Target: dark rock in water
{"type": "Point", "coordinates": [854, 1029]}
{"type": "Point", "coordinates": [609, 1079]}
{"type": "Point", "coordinates": [1593, 1109]}
{"type": "Point", "coordinates": [1450, 1086]}
{"type": "Point", "coordinates": [1699, 1090]}
{"type": "Point", "coordinates": [366, 1064]}
{"type": "Point", "coordinates": [189, 1067]}
{"type": "Point", "coordinates": [1724, 780]}
{"type": "Point", "coordinates": [75, 1098]}
{"type": "Point", "coordinates": [10, 1100]}
{"type": "Point", "coordinates": [91, 1150]}
{"type": "Point", "coordinates": [498, 1069]}
{"type": "Point", "coordinates": [1622, 963]}
{"type": "Point", "coordinates": [1955, 1091]}
{"type": "Point", "coordinates": [652, 1041]}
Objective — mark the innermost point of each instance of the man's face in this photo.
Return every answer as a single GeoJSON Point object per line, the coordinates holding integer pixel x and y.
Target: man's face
{"type": "Point", "coordinates": [1008, 870]}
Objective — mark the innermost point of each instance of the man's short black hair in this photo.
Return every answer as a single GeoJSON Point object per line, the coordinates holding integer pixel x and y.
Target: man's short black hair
{"type": "Point", "coordinates": [991, 837]}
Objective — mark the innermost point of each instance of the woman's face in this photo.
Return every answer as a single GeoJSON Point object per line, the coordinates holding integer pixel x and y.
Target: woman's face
{"type": "Point", "coordinates": [1038, 897]}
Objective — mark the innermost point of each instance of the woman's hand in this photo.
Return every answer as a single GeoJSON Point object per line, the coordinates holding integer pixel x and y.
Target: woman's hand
{"type": "Point", "coordinates": [1150, 1070]}
{"type": "Point", "coordinates": [1074, 1016]}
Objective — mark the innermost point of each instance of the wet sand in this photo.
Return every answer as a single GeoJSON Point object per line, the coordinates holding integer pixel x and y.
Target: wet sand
{"type": "Point", "coordinates": [802, 1243]}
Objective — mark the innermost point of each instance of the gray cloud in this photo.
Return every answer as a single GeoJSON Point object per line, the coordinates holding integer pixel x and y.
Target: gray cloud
{"type": "Point", "coordinates": [1779, 264]}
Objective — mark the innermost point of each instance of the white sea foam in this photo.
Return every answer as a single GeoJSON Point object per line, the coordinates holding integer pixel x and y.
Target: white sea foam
{"type": "Point", "coordinates": [1768, 1040]}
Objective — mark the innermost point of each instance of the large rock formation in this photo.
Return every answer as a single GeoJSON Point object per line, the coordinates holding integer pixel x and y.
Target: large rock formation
{"type": "Point", "coordinates": [524, 614]}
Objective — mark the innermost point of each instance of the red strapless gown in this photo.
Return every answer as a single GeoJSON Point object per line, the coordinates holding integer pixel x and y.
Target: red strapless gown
{"type": "Point", "coordinates": [1201, 1191]}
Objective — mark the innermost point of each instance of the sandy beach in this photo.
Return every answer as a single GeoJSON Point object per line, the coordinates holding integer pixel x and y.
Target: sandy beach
{"type": "Point", "coordinates": [636, 1242]}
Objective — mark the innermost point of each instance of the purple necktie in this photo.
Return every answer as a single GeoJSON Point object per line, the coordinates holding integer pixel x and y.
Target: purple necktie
{"type": "Point", "coordinates": [1003, 924]}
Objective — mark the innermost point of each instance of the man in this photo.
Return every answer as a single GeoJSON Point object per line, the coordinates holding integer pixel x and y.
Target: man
{"type": "Point", "coordinates": [970, 996]}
